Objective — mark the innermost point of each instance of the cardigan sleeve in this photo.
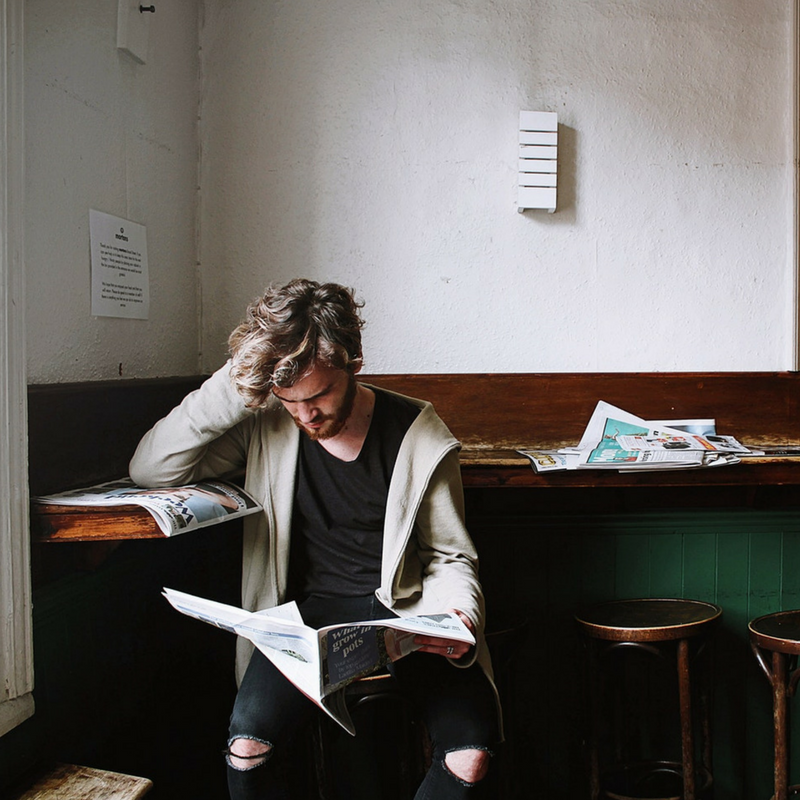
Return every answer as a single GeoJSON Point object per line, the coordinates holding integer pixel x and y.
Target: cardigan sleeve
{"type": "Point", "coordinates": [445, 548]}
{"type": "Point", "coordinates": [206, 436]}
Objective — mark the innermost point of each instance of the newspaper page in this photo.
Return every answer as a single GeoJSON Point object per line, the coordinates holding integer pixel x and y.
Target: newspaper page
{"type": "Point", "coordinates": [702, 427]}
{"type": "Point", "coordinates": [627, 441]}
{"type": "Point", "coordinates": [353, 650]}
{"type": "Point", "coordinates": [550, 460]}
{"type": "Point", "coordinates": [689, 441]}
{"type": "Point", "coordinates": [607, 422]}
{"type": "Point", "coordinates": [176, 509]}
{"type": "Point", "coordinates": [617, 439]}
{"type": "Point", "coordinates": [611, 455]}
{"type": "Point", "coordinates": [320, 663]}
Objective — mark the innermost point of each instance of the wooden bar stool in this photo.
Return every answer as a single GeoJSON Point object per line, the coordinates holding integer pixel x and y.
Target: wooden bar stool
{"type": "Point", "coordinates": [387, 759]}
{"type": "Point", "coordinates": [775, 639]}
{"type": "Point", "coordinates": [676, 632]}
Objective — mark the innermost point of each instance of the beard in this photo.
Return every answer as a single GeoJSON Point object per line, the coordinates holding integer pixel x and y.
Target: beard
{"type": "Point", "coordinates": [332, 424]}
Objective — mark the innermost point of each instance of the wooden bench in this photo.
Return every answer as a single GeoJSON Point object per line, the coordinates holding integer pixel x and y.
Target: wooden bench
{"type": "Point", "coordinates": [71, 782]}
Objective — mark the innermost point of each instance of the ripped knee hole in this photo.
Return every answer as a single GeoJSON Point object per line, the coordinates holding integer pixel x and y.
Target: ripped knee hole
{"type": "Point", "coordinates": [244, 754]}
{"type": "Point", "coordinates": [469, 765]}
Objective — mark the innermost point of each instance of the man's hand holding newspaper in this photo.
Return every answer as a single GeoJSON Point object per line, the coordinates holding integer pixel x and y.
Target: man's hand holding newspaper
{"type": "Point", "coordinates": [320, 663]}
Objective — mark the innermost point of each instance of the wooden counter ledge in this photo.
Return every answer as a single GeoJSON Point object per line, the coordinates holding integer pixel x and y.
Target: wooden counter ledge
{"type": "Point", "coordinates": [87, 432]}
{"type": "Point", "coordinates": [480, 469]}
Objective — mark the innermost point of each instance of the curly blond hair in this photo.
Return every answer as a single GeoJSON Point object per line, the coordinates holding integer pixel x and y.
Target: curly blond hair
{"type": "Point", "coordinates": [288, 330]}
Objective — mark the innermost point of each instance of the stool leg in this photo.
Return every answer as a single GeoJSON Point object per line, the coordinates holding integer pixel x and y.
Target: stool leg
{"type": "Point", "coordinates": [706, 672]}
{"type": "Point", "coordinates": [780, 712]}
{"type": "Point", "coordinates": [319, 752]}
{"type": "Point", "coordinates": [687, 737]}
{"type": "Point", "coordinates": [595, 702]}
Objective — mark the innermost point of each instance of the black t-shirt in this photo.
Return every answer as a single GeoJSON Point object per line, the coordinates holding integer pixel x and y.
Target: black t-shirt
{"type": "Point", "coordinates": [340, 506]}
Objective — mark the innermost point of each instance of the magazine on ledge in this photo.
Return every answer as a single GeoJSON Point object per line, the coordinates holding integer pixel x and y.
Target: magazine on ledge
{"type": "Point", "coordinates": [616, 439]}
{"type": "Point", "coordinates": [176, 509]}
{"type": "Point", "coordinates": [320, 663]}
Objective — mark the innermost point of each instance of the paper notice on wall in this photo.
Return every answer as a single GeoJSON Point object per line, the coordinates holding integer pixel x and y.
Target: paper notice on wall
{"type": "Point", "coordinates": [120, 283]}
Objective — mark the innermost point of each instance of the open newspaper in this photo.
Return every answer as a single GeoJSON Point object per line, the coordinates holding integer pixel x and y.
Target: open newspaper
{"type": "Point", "coordinates": [176, 509]}
{"type": "Point", "coordinates": [616, 439]}
{"type": "Point", "coordinates": [320, 663]}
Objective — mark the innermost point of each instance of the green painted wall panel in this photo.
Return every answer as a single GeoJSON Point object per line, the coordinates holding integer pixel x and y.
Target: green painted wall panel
{"type": "Point", "coordinates": [732, 659]}
{"type": "Point", "coordinates": [539, 568]}
{"type": "Point", "coordinates": [747, 561]}
{"type": "Point", "coordinates": [764, 583]}
{"type": "Point", "coordinates": [733, 553]}
{"type": "Point", "coordinates": [790, 573]}
{"type": "Point", "coordinates": [665, 565]}
{"type": "Point", "coordinates": [699, 564]}
{"type": "Point", "coordinates": [596, 566]}
{"type": "Point", "coordinates": [632, 568]}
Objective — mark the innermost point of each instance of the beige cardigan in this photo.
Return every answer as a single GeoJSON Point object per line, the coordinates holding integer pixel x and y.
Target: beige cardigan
{"type": "Point", "coordinates": [429, 561]}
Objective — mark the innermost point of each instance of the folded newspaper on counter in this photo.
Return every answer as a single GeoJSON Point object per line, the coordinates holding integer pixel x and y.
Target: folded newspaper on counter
{"type": "Point", "coordinates": [320, 663]}
{"type": "Point", "coordinates": [176, 509]}
{"type": "Point", "coordinates": [616, 439]}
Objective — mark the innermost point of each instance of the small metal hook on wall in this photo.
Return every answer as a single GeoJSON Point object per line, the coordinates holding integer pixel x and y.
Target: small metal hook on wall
{"type": "Point", "coordinates": [151, 9]}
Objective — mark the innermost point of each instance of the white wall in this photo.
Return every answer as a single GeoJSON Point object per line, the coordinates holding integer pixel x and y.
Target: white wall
{"type": "Point", "coordinates": [374, 143]}
{"type": "Point", "coordinates": [106, 133]}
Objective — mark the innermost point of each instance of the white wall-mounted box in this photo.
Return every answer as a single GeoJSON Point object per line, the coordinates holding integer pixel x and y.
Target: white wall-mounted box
{"type": "Point", "coordinates": [133, 28]}
{"type": "Point", "coordinates": [538, 160]}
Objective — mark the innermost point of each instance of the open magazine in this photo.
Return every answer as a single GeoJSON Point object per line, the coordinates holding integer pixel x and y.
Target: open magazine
{"type": "Point", "coordinates": [616, 439]}
{"type": "Point", "coordinates": [320, 663]}
{"type": "Point", "coordinates": [175, 509]}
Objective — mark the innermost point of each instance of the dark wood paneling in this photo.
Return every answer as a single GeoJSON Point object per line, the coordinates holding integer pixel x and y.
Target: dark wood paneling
{"type": "Point", "coordinates": [548, 410]}
{"type": "Point", "coordinates": [495, 412]}
{"type": "Point", "coordinates": [83, 433]}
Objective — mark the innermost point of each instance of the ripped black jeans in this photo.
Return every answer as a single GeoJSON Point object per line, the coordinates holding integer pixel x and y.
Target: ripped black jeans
{"type": "Point", "coordinates": [457, 706]}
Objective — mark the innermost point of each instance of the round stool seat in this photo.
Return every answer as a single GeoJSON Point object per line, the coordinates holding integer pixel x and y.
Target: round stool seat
{"type": "Point", "coordinates": [648, 620]}
{"type": "Point", "coordinates": [779, 632]}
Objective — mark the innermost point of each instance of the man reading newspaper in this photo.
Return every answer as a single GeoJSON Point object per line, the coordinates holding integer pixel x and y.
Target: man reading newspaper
{"type": "Point", "coordinates": [363, 518]}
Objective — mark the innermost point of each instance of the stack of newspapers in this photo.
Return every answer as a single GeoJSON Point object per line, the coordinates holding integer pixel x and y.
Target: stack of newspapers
{"type": "Point", "coordinates": [615, 439]}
